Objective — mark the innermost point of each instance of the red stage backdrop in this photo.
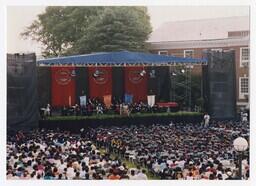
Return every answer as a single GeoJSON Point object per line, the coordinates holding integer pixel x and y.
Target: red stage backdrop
{"type": "Point", "coordinates": [136, 84]}
{"type": "Point", "coordinates": [100, 81]}
{"type": "Point", "coordinates": [63, 86]}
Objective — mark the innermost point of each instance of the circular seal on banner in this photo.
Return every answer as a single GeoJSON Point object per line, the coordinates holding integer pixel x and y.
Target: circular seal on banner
{"type": "Point", "coordinates": [101, 77]}
{"type": "Point", "coordinates": [63, 76]}
{"type": "Point", "coordinates": [135, 77]}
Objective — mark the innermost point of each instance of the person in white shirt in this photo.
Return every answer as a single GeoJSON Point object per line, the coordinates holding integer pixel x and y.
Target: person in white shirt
{"type": "Point", "coordinates": [206, 120]}
{"type": "Point", "coordinates": [189, 176]}
{"type": "Point", "coordinates": [61, 167]}
{"type": "Point", "coordinates": [70, 173]}
{"type": "Point", "coordinates": [132, 176]}
{"type": "Point", "coordinates": [142, 175]}
{"type": "Point", "coordinates": [244, 117]}
{"type": "Point", "coordinates": [48, 110]}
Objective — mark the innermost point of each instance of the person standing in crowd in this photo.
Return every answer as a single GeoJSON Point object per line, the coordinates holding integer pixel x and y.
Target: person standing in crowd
{"type": "Point", "coordinates": [244, 116]}
{"type": "Point", "coordinates": [206, 120]}
{"type": "Point", "coordinates": [48, 110]}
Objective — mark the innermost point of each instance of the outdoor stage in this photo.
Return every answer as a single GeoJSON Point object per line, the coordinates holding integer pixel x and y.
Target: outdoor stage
{"type": "Point", "coordinates": [115, 75]}
{"type": "Point", "coordinates": [111, 76]}
{"type": "Point", "coordinates": [75, 123]}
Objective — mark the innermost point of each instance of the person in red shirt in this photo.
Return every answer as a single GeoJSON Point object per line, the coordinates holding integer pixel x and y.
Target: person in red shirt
{"type": "Point", "coordinates": [114, 176]}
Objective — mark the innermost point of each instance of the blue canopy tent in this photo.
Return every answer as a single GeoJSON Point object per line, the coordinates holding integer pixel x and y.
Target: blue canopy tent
{"type": "Point", "coordinates": [122, 58]}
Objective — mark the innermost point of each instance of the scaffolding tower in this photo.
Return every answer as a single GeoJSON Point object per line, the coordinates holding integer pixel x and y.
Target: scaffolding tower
{"type": "Point", "coordinates": [181, 84]}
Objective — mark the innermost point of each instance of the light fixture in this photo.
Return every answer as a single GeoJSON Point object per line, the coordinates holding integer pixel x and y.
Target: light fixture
{"type": "Point", "coordinates": [152, 74]}
{"type": "Point", "coordinates": [174, 74]}
{"type": "Point", "coordinates": [190, 66]}
{"type": "Point", "coordinates": [142, 73]}
{"type": "Point", "coordinates": [240, 144]}
{"type": "Point", "coordinates": [96, 73]}
{"type": "Point", "coordinates": [73, 73]}
{"type": "Point", "coordinates": [182, 71]}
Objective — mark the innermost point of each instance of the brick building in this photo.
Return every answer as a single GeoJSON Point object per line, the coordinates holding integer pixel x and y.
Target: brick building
{"type": "Point", "coordinates": [193, 37]}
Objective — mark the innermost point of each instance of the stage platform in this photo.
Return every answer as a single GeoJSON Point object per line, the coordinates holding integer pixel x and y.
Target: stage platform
{"type": "Point", "coordinates": [75, 123]}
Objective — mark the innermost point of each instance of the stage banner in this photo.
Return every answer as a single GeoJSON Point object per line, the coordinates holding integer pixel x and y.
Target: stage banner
{"type": "Point", "coordinates": [151, 100]}
{"type": "Point", "coordinates": [107, 100]}
{"type": "Point", "coordinates": [136, 79]}
{"type": "Point", "coordinates": [128, 98]}
{"type": "Point", "coordinates": [82, 100]}
{"type": "Point", "coordinates": [100, 81]}
{"type": "Point", "coordinates": [63, 86]}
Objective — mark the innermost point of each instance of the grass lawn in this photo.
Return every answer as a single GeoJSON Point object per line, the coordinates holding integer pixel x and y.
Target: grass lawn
{"type": "Point", "coordinates": [130, 164]}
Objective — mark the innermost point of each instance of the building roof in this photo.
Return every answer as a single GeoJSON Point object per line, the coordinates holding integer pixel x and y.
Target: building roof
{"type": "Point", "coordinates": [122, 58]}
{"type": "Point", "coordinates": [204, 29]}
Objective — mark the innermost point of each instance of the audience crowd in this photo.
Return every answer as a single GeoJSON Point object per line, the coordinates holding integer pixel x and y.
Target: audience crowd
{"type": "Point", "coordinates": [176, 151]}
{"type": "Point", "coordinates": [62, 155]}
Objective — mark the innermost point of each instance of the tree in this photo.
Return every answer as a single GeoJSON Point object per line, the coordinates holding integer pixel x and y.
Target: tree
{"type": "Point", "coordinates": [79, 30]}
{"type": "Point", "coordinates": [59, 27]}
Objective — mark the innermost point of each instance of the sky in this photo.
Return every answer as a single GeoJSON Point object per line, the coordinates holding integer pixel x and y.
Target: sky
{"type": "Point", "coordinates": [18, 18]}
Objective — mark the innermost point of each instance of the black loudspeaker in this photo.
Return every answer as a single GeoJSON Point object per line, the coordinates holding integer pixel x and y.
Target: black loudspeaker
{"type": "Point", "coordinates": [220, 84]}
{"type": "Point", "coordinates": [22, 96]}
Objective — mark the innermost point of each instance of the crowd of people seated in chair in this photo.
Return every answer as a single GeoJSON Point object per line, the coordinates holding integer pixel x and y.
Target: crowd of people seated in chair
{"type": "Point", "coordinates": [58, 155]}
{"type": "Point", "coordinates": [180, 151]}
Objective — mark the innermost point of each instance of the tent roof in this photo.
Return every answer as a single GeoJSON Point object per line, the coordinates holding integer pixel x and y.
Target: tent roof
{"type": "Point", "coordinates": [122, 58]}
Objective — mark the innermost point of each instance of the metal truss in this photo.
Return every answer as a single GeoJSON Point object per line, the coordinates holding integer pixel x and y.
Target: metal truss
{"type": "Point", "coordinates": [180, 90]}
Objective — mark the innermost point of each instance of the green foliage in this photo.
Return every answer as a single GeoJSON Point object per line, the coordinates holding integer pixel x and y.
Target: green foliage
{"type": "Point", "coordinates": [136, 115]}
{"type": "Point", "coordinates": [78, 30]}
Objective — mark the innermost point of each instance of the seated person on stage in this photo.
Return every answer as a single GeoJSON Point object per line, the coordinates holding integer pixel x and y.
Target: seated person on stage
{"type": "Point", "coordinates": [77, 110]}
{"type": "Point", "coordinates": [64, 111]}
{"type": "Point", "coordinates": [99, 109]}
{"type": "Point", "coordinates": [89, 109]}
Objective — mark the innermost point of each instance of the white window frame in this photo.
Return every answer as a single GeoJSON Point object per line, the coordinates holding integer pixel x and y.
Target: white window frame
{"type": "Point", "coordinates": [184, 53]}
{"type": "Point", "coordinates": [163, 51]}
{"type": "Point", "coordinates": [217, 49]}
{"type": "Point", "coordinates": [242, 95]}
{"type": "Point", "coordinates": [242, 62]}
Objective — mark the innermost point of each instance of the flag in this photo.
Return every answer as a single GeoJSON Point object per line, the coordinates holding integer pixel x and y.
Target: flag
{"type": "Point", "coordinates": [151, 100]}
{"type": "Point", "coordinates": [128, 98]}
{"type": "Point", "coordinates": [107, 100]}
{"type": "Point", "coordinates": [82, 100]}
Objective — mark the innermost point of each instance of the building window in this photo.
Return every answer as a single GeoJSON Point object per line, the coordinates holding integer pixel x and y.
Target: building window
{"type": "Point", "coordinates": [244, 56]}
{"type": "Point", "coordinates": [189, 53]}
{"type": "Point", "coordinates": [238, 34]}
{"type": "Point", "coordinates": [243, 87]}
{"type": "Point", "coordinates": [217, 49]}
{"type": "Point", "coordinates": [163, 52]}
